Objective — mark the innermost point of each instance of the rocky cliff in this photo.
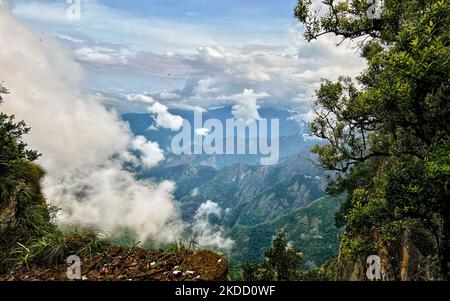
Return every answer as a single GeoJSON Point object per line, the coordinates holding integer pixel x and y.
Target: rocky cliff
{"type": "Point", "coordinates": [405, 258]}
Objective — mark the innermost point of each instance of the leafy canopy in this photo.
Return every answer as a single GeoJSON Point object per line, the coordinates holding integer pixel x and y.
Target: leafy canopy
{"type": "Point", "coordinates": [387, 131]}
{"type": "Point", "coordinates": [281, 263]}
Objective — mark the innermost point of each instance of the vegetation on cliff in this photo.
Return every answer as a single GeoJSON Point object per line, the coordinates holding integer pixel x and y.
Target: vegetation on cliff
{"type": "Point", "coordinates": [23, 210]}
{"type": "Point", "coordinates": [387, 132]}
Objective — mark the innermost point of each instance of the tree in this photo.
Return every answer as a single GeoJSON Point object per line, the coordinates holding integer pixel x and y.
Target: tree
{"type": "Point", "coordinates": [14, 154]}
{"type": "Point", "coordinates": [352, 19]}
{"type": "Point", "coordinates": [281, 263]}
{"type": "Point", "coordinates": [13, 150]}
{"type": "Point", "coordinates": [283, 259]}
{"type": "Point", "coordinates": [387, 133]}
{"type": "Point", "coordinates": [23, 210]}
{"type": "Point", "coordinates": [250, 271]}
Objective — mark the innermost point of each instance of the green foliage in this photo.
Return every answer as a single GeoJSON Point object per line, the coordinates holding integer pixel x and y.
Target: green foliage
{"type": "Point", "coordinates": [23, 210]}
{"type": "Point", "coordinates": [357, 246]}
{"type": "Point", "coordinates": [123, 238]}
{"type": "Point", "coordinates": [312, 229]}
{"type": "Point", "coordinates": [180, 245]}
{"type": "Point", "coordinates": [325, 272]}
{"type": "Point", "coordinates": [235, 270]}
{"type": "Point", "coordinates": [349, 19]}
{"type": "Point", "coordinates": [250, 271]}
{"type": "Point", "coordinates": [403, 105]}
{"type": "Point", "coordinates": [54, 247]}
{"type": "Point", "coordinates": [13, 150]}
{"type": "Point", "coordinates": [281, 263]}
{"type": "Point", "coordinates": [283, 258]}
{"type": "Point", "coordinates": [387, 133]}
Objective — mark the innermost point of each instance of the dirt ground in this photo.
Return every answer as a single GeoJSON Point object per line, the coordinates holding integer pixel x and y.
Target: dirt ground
{"type": "Point", "coordinates": [135, 264]}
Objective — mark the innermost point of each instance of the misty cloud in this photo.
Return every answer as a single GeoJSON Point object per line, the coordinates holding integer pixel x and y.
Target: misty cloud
{"type": "Point", "coordinates": [81, 141]}
{"type": "Point", "coordinates": [207, 234]}
{"type": "Point", "coordinates": [163, 118]}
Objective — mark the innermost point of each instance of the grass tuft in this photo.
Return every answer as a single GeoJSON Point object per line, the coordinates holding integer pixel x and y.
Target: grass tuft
{"type": "Point", "coordinates": [56, 246]}
{"type": "Point", "coordinates": [180, 245]}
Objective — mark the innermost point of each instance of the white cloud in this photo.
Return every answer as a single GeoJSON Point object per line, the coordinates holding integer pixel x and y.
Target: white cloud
{"type": "Point", "coordinates": [307, 137]}
{"type": "Point", "coordinates": [205, 87]}
{"type": "Point", "coordinates": [150, 152]}
{"type": "Point", "coordinates": [204, 65]}
{"type": "Point", "coordinates": [6, 5]}
{"type": "Point", "coordinates": [219, 75]}
{"type": "Point", "coordinates": [194, 192]}
{"type": "Point", "coordinates": [185, 106]}
{"type": "Point", "coordinates": [164, 118]}
{"type": "Point", "coordinates": [140, 98]}
{"type": "Point", "coordinates": [166, 95]}
{"type": "Point", "coordinates": [79, 139]}
{"type": "Point", "coordinates": [309, 116]}
{"type": "Point", "coordinates": [113, 200]}
{"type": "Point", "coordinates": [208, 208]}
{"type": "Point", "coordinates": [68, 38]}
{"type": "Point", "coordinates": [97, 56]}
{"type": "Point", "coordinates": [202, 131]}
{"type": "Point", "coordinates": [246, 107]}
{"type": "Point", "coordinates": [41, 11]}
{"type": "Point", "coordinates": [206, 234]}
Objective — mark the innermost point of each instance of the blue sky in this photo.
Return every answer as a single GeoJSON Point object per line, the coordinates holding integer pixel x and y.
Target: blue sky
{"type": "Point", "coordinates": [225, 21]}
{"type": "Point", "coordinates": [194, 53]}
{"type": "Point", "coordinates": [206, 9]}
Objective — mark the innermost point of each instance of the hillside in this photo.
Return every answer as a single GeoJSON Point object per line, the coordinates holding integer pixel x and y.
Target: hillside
{"type": "Point", "coordinates": [311, 228]}
{"type": "Point", "coordinates": [267, 190]}
{"type": "Point", "coordinates": [257, 201]}
{"type": "Point", "coordinates": [283, 197]}
{"type": "Point", "coordinates": [186, 176]}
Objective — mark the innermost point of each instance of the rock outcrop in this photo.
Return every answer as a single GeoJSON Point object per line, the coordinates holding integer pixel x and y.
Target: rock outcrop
{"type": "Point", "coordinates": [403, 259]}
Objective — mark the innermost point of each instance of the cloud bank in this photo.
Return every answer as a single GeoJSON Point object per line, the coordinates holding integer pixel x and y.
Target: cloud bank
{"type": "Point", "coordinates": [84, 145]}
{"type": "Point", "coordinates": [245, 78]}
{"type": "Point", "coordinates": [208, 64]}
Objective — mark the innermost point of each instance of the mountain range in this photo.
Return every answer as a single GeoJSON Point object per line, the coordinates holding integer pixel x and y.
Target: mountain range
{"type": "Point", "coordinates": [257, 201]}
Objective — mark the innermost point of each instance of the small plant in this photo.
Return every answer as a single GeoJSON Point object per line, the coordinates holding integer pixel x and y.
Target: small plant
{"type": "Point", "coordinates": [181, 245]}
{"type": "Point", "coordinates": [22, 254]}
{"type": "Point", "coordinates": [54, 247]}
